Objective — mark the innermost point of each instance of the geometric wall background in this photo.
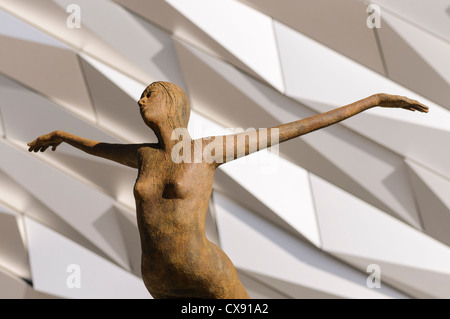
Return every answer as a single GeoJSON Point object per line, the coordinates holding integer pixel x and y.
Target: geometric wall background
{"type": "Point", "coordinates": [372, 190]}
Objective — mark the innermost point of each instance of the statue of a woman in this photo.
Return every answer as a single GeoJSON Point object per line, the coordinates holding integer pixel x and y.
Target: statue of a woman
{"type": "Point", "coordinates": [172, 196]}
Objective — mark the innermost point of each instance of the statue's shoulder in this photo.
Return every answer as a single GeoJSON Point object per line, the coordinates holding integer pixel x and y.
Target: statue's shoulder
{"type": "Point", "coordinates": [148, 149]}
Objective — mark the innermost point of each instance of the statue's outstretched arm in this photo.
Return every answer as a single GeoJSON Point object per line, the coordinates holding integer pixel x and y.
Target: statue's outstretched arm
{"type": "Point", "coordinates": [125, 154]}
{"type": "Point", "coordinates": [241, 144]}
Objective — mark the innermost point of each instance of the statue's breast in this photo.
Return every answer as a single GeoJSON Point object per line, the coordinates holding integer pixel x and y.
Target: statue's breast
{"type": "Point", "coordinates": [160, 177]}
{"type": "Point", "coordinates": [175, 189]}
{"type": "Point", "coordinates": [145, 188]}
{"type": "Point", "coordinates": [165, 183]}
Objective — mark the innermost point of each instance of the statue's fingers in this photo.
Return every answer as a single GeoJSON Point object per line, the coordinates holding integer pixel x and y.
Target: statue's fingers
{"type": "Point", "coordinates": [44, 148]}
{"type": "Point", "coordinates": [423, 107]}
{"type": "Point", "coordinates": [33, 147]}
{"type": "Point", "coordinates": [54, 147]}
{"type": "Point", "coordinates": [420, 107]}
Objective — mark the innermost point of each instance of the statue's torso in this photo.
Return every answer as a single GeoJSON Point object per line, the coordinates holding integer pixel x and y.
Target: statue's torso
{"type": "Point", "coordinates": [171, 203]}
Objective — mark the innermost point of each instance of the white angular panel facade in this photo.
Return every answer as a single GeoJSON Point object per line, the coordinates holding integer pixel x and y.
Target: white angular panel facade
{"type": "Point", "coordinates": [309, 219]}
{"type": "Point", "coordinates": [60, 267]}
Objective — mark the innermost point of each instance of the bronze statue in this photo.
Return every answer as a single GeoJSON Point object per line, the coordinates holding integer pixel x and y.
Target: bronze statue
{"type": "Point", "coordinates": [172, 196]}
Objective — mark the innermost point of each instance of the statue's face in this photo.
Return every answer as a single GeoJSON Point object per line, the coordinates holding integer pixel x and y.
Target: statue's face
{"type": "Point", "coordinates": [152, 104]}
{"type": "Point", "coordinates": [164, 103]}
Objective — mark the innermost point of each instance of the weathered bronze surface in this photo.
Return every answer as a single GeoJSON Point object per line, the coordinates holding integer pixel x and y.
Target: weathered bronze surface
{"type": "Point", "coordinates": [172, 197]}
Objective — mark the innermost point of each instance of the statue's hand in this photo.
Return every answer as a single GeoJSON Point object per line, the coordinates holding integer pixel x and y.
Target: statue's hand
{"type": "Point", "coordinates": [397, 101]}
{"type": "Point", "coordinates": [45, 141]}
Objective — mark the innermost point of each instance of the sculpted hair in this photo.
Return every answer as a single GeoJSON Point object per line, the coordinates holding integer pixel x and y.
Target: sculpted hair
{"type": "Point", "coordinates": [177, 102]}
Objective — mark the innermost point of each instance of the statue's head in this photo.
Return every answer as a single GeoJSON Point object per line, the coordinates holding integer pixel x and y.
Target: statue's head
{"type": "Point", "coordinates": [164, 102]}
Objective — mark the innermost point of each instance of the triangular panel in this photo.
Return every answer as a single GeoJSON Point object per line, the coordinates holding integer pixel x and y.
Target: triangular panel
{"type": "Point", "coordinates": [248, 35]}
{"type": "Point", "coordinates": [65, 269]}
{"type": "Point", "coordinates": [255, 245]}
